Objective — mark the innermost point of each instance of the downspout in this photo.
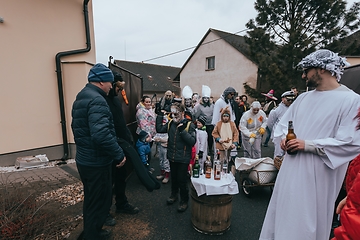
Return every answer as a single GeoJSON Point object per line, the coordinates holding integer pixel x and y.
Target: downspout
{"type": "Point", "coordinates": [60, 82]}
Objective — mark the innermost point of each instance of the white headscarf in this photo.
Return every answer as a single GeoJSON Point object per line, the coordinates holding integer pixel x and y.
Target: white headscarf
{"type": "Point", "coordinates": [327, 60]}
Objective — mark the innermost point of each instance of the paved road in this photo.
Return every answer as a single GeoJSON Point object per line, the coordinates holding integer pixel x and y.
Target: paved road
{"type": "Point", "coordinates": [247, 213]}
{"type": "Point", "coordinates": [164, 221]}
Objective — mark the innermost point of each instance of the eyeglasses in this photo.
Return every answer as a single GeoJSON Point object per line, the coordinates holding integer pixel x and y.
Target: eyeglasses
{"type": "Point", "coordinates": [305, 71]}
{"type": "Point", "coordinates": [168, 95]}
{"type": "Point", "coordinates": [232, 94]}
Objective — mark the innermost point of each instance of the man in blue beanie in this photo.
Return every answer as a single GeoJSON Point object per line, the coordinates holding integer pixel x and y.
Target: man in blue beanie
{"type": "Point", "coordinates": [96, 149]}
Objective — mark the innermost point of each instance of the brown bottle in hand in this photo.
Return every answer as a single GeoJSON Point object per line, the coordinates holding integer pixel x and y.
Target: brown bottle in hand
{"type": "Point", "coordinates": [291, 135]}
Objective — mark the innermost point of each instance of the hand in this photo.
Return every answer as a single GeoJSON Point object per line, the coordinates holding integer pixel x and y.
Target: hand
{"type": "Point", "coordinates": [294, 145]}
{"type": "Point", "coordinates": [252, 135]}
{"type": "Point", "coordinates": [262, 131]}
{"type": "Point", "coordinates": [341, 205]}
{"type": "Point", "coordinates": [122, 163]}
{"type": "Point", "coordinates": [232, 146]}
{"type": "Point", "coordinates": [221, 141]}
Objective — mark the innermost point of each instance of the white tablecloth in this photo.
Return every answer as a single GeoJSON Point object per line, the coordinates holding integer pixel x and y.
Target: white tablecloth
{"type": "Point", "coordinates": [226, 185]}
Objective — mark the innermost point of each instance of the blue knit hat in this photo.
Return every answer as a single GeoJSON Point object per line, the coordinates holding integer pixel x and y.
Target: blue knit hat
{"type": "Point", "coordinates": [100, 73]}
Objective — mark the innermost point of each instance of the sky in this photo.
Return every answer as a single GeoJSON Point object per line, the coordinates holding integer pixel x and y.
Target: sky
{"type": "Point", "coordinates": [140, 30]}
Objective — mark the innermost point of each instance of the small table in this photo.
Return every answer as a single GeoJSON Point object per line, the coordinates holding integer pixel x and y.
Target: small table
{"type": "Point", "coordinates": [211, 203]}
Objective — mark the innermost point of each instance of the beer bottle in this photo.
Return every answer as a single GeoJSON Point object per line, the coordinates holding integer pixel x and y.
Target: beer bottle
{"type": "Point", "coordinates": [217, 167]}
{"type": "Point", "coordinates": [207, 167]}
{"type": "Point", "coordinates": [291, 135]}
{"type": "Point", "coordinates": [196, 169]}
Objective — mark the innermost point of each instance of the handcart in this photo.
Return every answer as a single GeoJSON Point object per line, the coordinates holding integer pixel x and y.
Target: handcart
{"type": "Point", "coordinates": [255, 173]}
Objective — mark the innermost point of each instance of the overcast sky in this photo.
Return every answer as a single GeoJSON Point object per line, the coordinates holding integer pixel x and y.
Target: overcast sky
{"type": "Point", "coordinates": [139, 30]}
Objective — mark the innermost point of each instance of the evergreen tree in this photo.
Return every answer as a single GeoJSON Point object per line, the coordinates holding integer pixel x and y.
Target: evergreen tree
{"type": "Point", "coordinates": [285, 31]}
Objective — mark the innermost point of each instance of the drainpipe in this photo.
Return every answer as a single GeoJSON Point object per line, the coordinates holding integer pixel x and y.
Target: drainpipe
{"type": "Point", "coordinates": [59, 78]}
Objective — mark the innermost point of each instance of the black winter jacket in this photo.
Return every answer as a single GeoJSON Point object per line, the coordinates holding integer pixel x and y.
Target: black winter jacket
{"type": "Point", "coordinates": [93, 129]}
{"type": "Point", "coordinates": [179, 143]}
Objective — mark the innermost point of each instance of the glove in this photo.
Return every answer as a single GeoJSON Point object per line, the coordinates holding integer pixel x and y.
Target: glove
{"type": "Point", "coordinates": [201, 153]}
{"type": "Point", "coordinates": [261, 131]}
{"type": "Point", "coordinates": [252, 135]}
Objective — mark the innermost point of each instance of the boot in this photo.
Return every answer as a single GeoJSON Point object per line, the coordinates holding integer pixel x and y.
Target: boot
{"type": "Point", "coordinates": [166, 179]}
{"type": "Point", "coordinates": [161, 176]}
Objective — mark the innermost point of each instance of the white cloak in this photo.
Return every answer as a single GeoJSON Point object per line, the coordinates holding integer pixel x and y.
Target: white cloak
{"type": "Point", "coordinates": [220, 104]}
{"type": "Point", "coordinates": [302, 204]}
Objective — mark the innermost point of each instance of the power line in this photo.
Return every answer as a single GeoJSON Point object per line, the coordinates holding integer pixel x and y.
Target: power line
{"type": "Point", "coordinates": [186, 49]}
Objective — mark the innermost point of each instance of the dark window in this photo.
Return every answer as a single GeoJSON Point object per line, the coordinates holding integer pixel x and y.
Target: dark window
{"type": "Point", "coordinates": [210, 63]}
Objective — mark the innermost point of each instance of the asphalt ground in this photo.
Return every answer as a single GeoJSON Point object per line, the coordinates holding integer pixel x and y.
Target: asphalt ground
{"type": "Point", "coordinates": [162, 221]}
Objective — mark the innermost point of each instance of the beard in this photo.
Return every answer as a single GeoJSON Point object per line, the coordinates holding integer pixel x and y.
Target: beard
{"type": "Point", "coordinates": [313, 81]}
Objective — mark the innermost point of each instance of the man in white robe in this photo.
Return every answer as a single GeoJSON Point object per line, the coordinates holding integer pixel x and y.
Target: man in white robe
{"type": "Point", "coordinates": [223, 102]}
{"type": "Point", "coordinates": [302, 204]}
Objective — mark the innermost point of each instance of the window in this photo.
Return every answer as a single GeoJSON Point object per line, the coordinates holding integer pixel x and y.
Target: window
{"type": "Point", "coordinates": [210, 63]}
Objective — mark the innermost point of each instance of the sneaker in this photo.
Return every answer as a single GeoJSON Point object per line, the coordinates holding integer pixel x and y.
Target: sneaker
{"type": "Point", "coordinates": [128, 209]}
{"type": "Point", "coordinates": [171, 199]}
{"type": "Point", "coordinates": [110, 221]}
{"type": "Point", "coordinates": [182, 206]}
{"type": "Point", "coordinates": [165, 180]}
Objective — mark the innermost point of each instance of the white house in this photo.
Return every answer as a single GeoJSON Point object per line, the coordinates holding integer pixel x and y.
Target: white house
{"type": "Point", "coordinates": [220, 60]}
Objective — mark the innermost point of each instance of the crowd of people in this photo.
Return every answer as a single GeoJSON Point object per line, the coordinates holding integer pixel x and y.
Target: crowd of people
{"type": "Point", "coordinates": [194, 125]}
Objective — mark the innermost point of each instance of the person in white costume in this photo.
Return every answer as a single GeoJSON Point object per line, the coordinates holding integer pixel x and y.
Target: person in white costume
{"type": "Point", "coordinates": [302, 204]}
{"type": "Point", "coordinates": [275, 115]}
{"type": "Point", "coordinates": [252, 126]}
{"type": "Point", "coordinates": [223, 102]}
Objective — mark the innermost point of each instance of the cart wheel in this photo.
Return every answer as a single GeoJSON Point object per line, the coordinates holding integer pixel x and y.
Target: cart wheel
{"type": "Point", "coordinates": [245, 186]}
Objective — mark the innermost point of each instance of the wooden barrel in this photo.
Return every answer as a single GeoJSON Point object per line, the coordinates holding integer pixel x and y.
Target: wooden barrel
{"type": "Point", "coordinates": [211, 214]}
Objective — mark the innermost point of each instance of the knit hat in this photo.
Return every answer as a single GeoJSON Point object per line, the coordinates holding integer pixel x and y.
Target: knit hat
{"type": "Point", "coordinates": [143, 135]}
{"type": "Point", "coordinates": [202, 119]}
{"type": "Point", "coordinates": [100, 73]}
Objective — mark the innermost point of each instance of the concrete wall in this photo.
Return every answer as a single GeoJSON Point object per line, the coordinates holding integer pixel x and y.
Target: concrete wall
{"type": "Point", "coordinates": [231, 68]}
{"type": "Point", "coordinates": [32, 33]}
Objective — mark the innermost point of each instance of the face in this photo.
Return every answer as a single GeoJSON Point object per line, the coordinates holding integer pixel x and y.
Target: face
{"type": "Point", "coordinates": [287, 101]}
{"type": "Point", "coordinates": [295, 91]}
{"type": "Point", "coordinates": [199, 124]}
{"type": "Point", "coordinates": [176, 115]}
{"type": "Point", "coordinates": [312, 77]}
{"type": "Point", "coordinates": [237, 99]}
{"type": "Point", "coordinates": [148, 138]}
{"type": "Point", "coordinates": [244, 99]}
{"type": "Point", "coordinates": [206, 99]}
{"type": "Point", "coordinates": [255, 110]}
{"type": "Point", "coordinates": [168, 96]}
{"type": "Point", "coordinates": [230, 95]}
{"type": "Point", "coordinates": [188, 102]}
{"type": "Point", "coordinates": [225, 118]}
{"type": "Point", "coordinates": [106, 87]}
{"type": "Point", "coordinates": [147, 103]}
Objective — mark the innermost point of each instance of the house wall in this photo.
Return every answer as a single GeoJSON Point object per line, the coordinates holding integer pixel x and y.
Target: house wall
{"type": "Point", "coordinates": [231, 68]}
{"type": "Point", "coordinates": [32, 33]}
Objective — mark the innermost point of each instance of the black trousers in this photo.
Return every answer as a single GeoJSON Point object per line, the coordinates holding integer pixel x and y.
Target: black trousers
{"type": "Point", "coordinates": [209, 130]}
{"type": "Point", "coordinates": [119, 185]}
{"type": "Point", "coordinates": [97, 198]}
{"type": "Point", "coordinates": [179, 180]}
